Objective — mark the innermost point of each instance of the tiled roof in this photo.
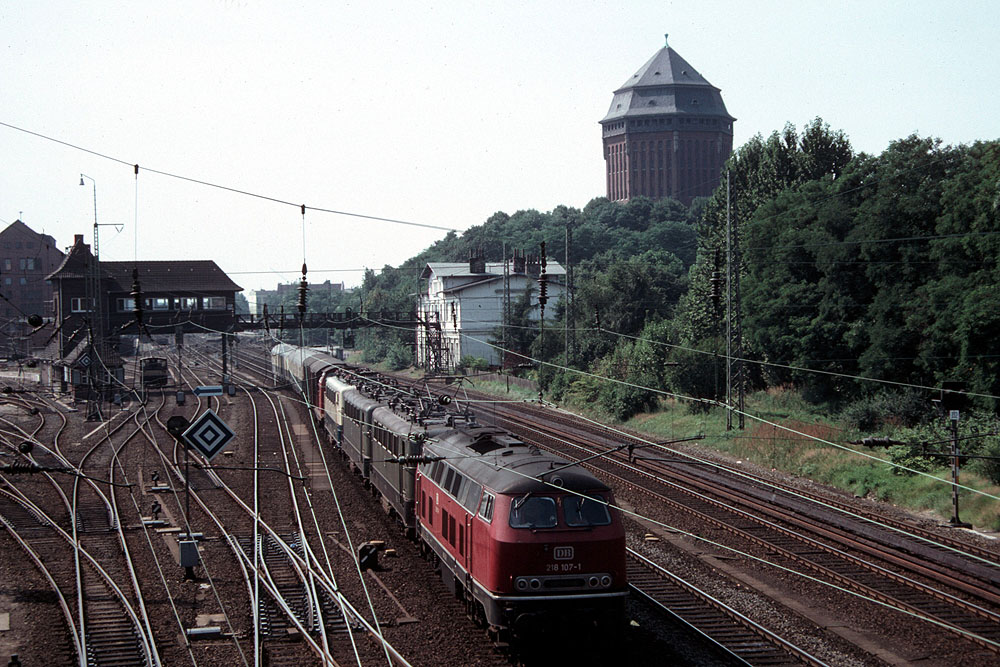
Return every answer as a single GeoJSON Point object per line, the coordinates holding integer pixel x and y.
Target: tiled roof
{"type": "Point", "coordinates": [198, 275]}
{"type": "Point", "coordinates": [666, 84]}
{"type": "Point", "coordinates": [75, 264]}
{"type": "Point", "coordinates": [453, 269]}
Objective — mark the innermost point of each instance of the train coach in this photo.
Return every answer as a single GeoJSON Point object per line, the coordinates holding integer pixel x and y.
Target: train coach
{"type": "Point", "coordinates": [528, 540]}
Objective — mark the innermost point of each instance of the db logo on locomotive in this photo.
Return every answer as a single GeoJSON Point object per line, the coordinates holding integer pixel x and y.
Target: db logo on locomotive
{"type": "Point", "coordinates": [563, 553]}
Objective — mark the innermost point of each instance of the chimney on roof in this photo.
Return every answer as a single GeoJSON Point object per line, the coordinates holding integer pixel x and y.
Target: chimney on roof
{"type": "Point", "coordinates": [77, 239]}
{"type": "Point", "coordinates": [518, 261]}
{"type": "Point", "coordinates": [477, 261]}
{"type": "Point", "coordinates": [534, 265]}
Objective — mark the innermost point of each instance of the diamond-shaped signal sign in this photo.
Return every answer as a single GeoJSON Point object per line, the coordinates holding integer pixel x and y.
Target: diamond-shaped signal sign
{"type": "Point", "coordinates": [209, 434]}
{"type": "Point", "coordinates": [84, 360]}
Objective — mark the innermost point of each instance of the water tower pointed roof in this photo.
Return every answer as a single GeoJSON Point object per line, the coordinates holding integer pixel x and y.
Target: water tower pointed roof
{"type": "Point", "coordinates": [666, 84]}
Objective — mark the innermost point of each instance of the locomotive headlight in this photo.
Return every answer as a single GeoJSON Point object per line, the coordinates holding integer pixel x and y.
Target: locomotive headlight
{"type": "Point", "coordinates": [593, 582]}
{"type": "Point", "coordinates": [521, 584]}
{"type": "Point", "coordinates": [535, 584]}
{"type": "Point", "coordinates": [606, 581]}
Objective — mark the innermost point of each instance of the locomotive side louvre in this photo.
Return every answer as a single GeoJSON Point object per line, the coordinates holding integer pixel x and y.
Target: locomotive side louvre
{"type": "Point", "coordinates": [356, 441]}
{"type": "Point", "coordinates": [396, 436]}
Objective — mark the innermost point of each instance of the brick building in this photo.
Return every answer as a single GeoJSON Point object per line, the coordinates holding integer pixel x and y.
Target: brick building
{"type": "Point", "coordinates": [26, 258]}
{"type": "Point", "coordinates": [273, 298]}
{"type": "Point", "coordinates": [667, 133]}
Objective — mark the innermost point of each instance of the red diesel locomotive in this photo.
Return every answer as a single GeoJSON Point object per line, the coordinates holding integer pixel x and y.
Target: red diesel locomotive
{"type": "Point", "coordinates": [528, 540]}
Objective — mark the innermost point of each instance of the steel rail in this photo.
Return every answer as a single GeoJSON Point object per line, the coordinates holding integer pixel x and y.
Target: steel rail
{"type": "Point", "coordinates": [146, 636]}
{"type": "Point", "coordinates": [78, 551]}
{"type": "Point", "coordinates": [297, 563]}
{"type": "Point", "coordinates": [734, 645]}
{"type": "Point", "coordinates": [44, 570]}
{"type": "Point", "coordinates": [310, 560]}
{"type": "Point", "coordinates": [727, 525]}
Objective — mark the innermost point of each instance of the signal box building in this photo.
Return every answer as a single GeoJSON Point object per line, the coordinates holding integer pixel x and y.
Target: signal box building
{"type": "Point", "coordinates": [667, 133]}
{"type": "Point", "coordinates": [195, 295]}
{"type": "Point", "coordinates": [463, 306]}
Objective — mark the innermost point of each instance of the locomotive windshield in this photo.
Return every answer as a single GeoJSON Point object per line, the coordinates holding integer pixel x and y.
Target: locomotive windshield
{"type": "Point", "coordinates": [533, 512]}
{"type": "Point", "coordinates": [591, 511]}
{"type": "Point", "coordinates": [530, 511]}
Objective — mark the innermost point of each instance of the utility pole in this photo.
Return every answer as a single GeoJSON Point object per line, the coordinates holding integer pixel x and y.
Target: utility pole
{"type": "Point", "coordinates": [566, 296]}
{"type": "Point", "coordinates": [225, 359]}
{"type": "Point", "coordinates": [506, 307]}
{"type": "Point", "coordinates": [955, 521]}
{"type": "Point", "coordinates": [735, 371]}
{"type": "Point", "coordinates": [179, 342]}
{"type": "Point", "coordinates": [96, 368]}
{"type": "Point", "coordinates": [952, 400]}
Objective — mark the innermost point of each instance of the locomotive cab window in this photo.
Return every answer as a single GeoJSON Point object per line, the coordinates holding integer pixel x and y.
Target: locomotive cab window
{"type": "Point", "coordinates": [533, 512]}
{"type": "Point", "coordinates": [486, 507]}
{"type": "Point", "coordinates": [579, 511]}
{"type": "Point", "coordinates": [470, 496]}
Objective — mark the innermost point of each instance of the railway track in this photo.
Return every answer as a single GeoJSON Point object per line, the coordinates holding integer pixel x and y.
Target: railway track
{"type": "Point", "coordinates": [111, 633]}
{"type": "Point", "coordinates": [974, 570]}
{"type": "Point", "coordinates": [715, 502]}
{"type": "Point", "coordinates": [733, 633]}
{"type": "Point", "coordinates": [83, 560]}
{"type": "Point", "coordinates": [295, 593]}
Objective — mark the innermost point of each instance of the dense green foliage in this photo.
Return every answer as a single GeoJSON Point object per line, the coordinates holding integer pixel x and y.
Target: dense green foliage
{"type": "Point", "coordinates": [853, 266]}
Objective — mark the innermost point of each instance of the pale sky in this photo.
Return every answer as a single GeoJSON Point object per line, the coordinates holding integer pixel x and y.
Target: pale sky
{"type": "Point", "coordinates": [440, 114]}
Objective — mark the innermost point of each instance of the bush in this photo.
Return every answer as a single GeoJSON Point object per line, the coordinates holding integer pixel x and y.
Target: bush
{"type": "Point", "coordinates": [626, 363]}
{"type": "Point", "coordinates": [906, 408]}
{"type": "Point", "coordinates": [398, 357]}
{"type": "Point", "coordinates": [991, 467]}
{"type": "Point", "coordinates": [468, 362]}
{"type": "Point", "coordinates": [911, 457]}
{"type": "Point", "coordinates": [866, 415]}
{"type": "Point", "coordinates": [698, 373]}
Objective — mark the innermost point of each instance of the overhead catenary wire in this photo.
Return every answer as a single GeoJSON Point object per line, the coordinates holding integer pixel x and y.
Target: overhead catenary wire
{"type": "Point", "coordinates": [758, 559]}
{"type": "Point", "coordinates": [716, 403]}
{"type": "Point", "coordinates": [763, 561]}
{"type": "Point", "coordinates": [197, 181]}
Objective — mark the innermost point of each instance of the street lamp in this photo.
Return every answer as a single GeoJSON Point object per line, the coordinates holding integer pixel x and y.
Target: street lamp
{"type": "Point", "coordinates": [93, 293]}
{"type": "Point", "coordinates": [94, 281]}
{"type": "Point", "coordinates": [83, 176]}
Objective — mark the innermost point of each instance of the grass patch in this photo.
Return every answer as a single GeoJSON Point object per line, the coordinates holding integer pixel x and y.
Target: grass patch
{"type": "Point", "coordinates": [802, 451]}
{"type": "Point", "coordinates": [502, 391]}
